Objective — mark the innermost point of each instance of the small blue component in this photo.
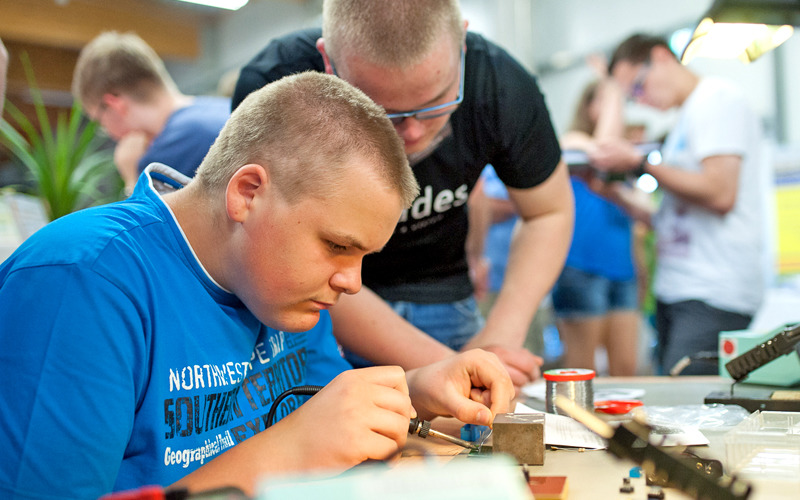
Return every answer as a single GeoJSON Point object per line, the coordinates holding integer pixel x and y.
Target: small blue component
{"type": "Point", "coordinates": [472, 432]}
{"type": "Point", "coordinates": [636, 472]}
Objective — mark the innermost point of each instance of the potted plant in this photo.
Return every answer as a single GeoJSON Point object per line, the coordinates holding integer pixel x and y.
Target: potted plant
{"type": "Point", "coordinates": [66, 162]}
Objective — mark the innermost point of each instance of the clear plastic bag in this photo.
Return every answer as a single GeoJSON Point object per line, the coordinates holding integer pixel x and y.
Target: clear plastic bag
{"type": "Point", "coordinates": [701, 416]}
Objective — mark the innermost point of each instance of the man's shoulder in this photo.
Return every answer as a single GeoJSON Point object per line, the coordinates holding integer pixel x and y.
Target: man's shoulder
{"type": "Point", "coordinates": [205, 109]}
{"type": "Point", "coordinates": [718, 89]}
{"type": "Point", "coordinates": [296, 47]}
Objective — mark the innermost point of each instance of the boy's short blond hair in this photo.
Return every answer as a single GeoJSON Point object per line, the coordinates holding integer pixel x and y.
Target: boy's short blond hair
{"type": "Point", "coordinates": [305, 129]}
{"type": "Point", "coordinates": [390, 33]}
{"type": "Point", "coordinates": [119, 63]}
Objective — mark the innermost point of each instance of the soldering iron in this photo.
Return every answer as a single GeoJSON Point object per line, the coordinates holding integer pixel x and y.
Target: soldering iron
{"type": "Point", "coordinates": [417, 426]}
{"type": "Point", "coordinates": [422, 428]}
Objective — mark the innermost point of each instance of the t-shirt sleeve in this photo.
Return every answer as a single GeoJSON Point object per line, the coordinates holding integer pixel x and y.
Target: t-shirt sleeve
{"type": "Point", "coordinates": [250, 79]}
{"type": "Point", "coordinates": [287, 55]}
{"type": "Point", "coordinates": [69, 365]}
{"type": "Point", "coordinates": [719, 124]}
{"type": "Point", "coordinates": [528, 150]}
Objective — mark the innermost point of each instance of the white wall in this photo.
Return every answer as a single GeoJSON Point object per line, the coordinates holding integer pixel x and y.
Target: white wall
{"type": "Point", "coordinates": [235, 37]}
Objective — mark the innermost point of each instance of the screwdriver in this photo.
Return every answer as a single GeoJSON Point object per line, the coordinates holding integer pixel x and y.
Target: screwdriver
{"type": "Point", "coordinates": [422, 428]}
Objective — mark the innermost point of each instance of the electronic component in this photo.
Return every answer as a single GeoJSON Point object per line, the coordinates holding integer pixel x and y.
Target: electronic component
{"type": "Point", "coordinates": [548, 487]}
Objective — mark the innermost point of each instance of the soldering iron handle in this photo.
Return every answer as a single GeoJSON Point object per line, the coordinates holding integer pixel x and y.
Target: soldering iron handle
{"type": "Point", "coordinates": [419, 427]}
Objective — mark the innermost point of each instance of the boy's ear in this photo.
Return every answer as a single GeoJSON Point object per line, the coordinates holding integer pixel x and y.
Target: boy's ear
{"type": "Point", "coordinates": [116, 102]}
{"type": "Point", "coordinates": [244, 186]}
{"type": "Point", "coordinates": [325, 58]}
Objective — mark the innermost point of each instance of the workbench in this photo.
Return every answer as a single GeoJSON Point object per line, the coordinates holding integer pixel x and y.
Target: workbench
{"type": "Point", "coordinates": [597, 474]}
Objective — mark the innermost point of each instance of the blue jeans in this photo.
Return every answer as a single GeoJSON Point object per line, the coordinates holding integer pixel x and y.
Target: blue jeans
{"type": "Point", "coordinates": [451, 323]}
{"type": "Point", "coordinates": [692, 326]}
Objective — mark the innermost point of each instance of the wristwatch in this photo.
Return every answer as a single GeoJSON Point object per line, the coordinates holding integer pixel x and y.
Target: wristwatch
{"type": "Point", "coordinates": [651, 158]}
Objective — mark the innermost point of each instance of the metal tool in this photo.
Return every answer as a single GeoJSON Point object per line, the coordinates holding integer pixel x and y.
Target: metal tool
{"type": "Point", "coordinates": [422, 428]}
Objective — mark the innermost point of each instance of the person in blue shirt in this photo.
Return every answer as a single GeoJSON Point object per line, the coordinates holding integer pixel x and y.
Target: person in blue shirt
{"type": "Point", "coordinates": [596, 297]}
{"type": "Point", "coordinates": [123, 84]}
{"type": "Point", "coordinates": [145, 342]}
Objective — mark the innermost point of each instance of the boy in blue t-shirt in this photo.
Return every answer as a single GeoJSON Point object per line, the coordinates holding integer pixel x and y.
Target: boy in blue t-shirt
{"type": "Point", "coordinates": [145, 342]}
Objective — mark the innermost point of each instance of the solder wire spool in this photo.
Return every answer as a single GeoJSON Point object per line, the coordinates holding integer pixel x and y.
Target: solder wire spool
{"type": "Point", "coordinates": [572, 383]}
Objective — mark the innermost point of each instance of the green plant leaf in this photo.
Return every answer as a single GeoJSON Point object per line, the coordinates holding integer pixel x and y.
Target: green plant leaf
{"type": "Point", "coordinates": [64, 159]}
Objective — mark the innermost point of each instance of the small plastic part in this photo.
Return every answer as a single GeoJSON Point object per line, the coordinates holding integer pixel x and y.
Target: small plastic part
{"type": "Point", "coordinates": [635, 472]}
{"type": "Point", "coordinates": [617, 406]}
{"type": "Point", "coordinates": [472, 432]}
{"type": "Point", "coordinates": [549, 487]}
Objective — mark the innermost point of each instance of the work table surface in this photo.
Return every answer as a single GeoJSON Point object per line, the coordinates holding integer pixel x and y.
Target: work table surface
{"type": "Point", "coordinates": [597, 474]}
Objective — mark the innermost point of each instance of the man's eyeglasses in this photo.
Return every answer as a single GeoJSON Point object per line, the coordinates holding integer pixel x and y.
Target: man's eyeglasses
{"type": "Point", "coordinates": [637, 89]}
{"type": "Point", "coordinates": [432, 111]}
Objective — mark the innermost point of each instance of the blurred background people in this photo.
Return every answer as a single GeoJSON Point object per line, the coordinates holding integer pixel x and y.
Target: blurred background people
{"type": "Point", "coordinates": [123, 85]}
{"type": "Point", "coordinates": [708, 227]}
{"type": "Point", "coordinates": [596, 297]}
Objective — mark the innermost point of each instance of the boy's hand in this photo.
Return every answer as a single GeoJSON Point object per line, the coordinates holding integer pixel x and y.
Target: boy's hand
{"type": "Point", "coordinates": [127, 153]}
{"type": "Point", "coordinates": [362, 414]}
{"type": "Point", "coordinates": [472, 386]}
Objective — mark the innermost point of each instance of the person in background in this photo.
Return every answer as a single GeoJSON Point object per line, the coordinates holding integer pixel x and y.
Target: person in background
{"type": "Point", "coordinates": [181, 313]}
{"type": "Point", "coordinates": [459, 102]}
{"type": "Point", "coordinates": [123, 84]}
{"type": "Point", "coordinates": [595, 299]}
{"type": "Point", "coordinates": [708, 274]}
{"type": "Point", "coordinates": [492, 221]}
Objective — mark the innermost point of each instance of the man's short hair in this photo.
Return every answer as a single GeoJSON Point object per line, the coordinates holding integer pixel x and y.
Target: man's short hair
{"type": "Point", "coordinates": [306, 129]}
{"type": "Point", "coordinates": [582, 119]}
{"type": "Point", "coordinates": [118, 63]}
{"type": "Point", "coordinates": [394, 33]}
{"type": "Point", "coordinates": [636, 49]}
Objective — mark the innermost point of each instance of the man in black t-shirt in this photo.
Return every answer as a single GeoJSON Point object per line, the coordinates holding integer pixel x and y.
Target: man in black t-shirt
{"type": "Point", "coordinates": [458, 102]}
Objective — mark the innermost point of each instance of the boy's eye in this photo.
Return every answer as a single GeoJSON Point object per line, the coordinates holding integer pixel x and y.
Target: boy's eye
{"type": "Point", "coordinates": [338, 248]}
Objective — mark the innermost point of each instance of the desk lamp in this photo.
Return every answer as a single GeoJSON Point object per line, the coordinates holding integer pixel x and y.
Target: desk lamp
{"type": "Point", "coordinates": [743, 28]}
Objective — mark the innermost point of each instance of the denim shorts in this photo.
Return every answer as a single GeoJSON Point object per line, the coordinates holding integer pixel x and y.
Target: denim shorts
{"type": "Point", "coordinates": [578, 294]}
{"type": "Point", "coordinates": [451, 323]}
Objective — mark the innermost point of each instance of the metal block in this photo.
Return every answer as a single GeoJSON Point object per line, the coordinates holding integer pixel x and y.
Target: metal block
{"type": "Point", "coordinates": [520, 435]}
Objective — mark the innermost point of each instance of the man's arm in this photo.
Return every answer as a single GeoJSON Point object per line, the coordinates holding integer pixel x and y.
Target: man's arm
{"type": "Point", "coordinates": [538, 251]}
{"type": "Point", "coordinates": [128, 152]}
{"type": "Point", "coordinates": [713, 187]}
{"type": "Point", "coordinates": [364, 324]}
